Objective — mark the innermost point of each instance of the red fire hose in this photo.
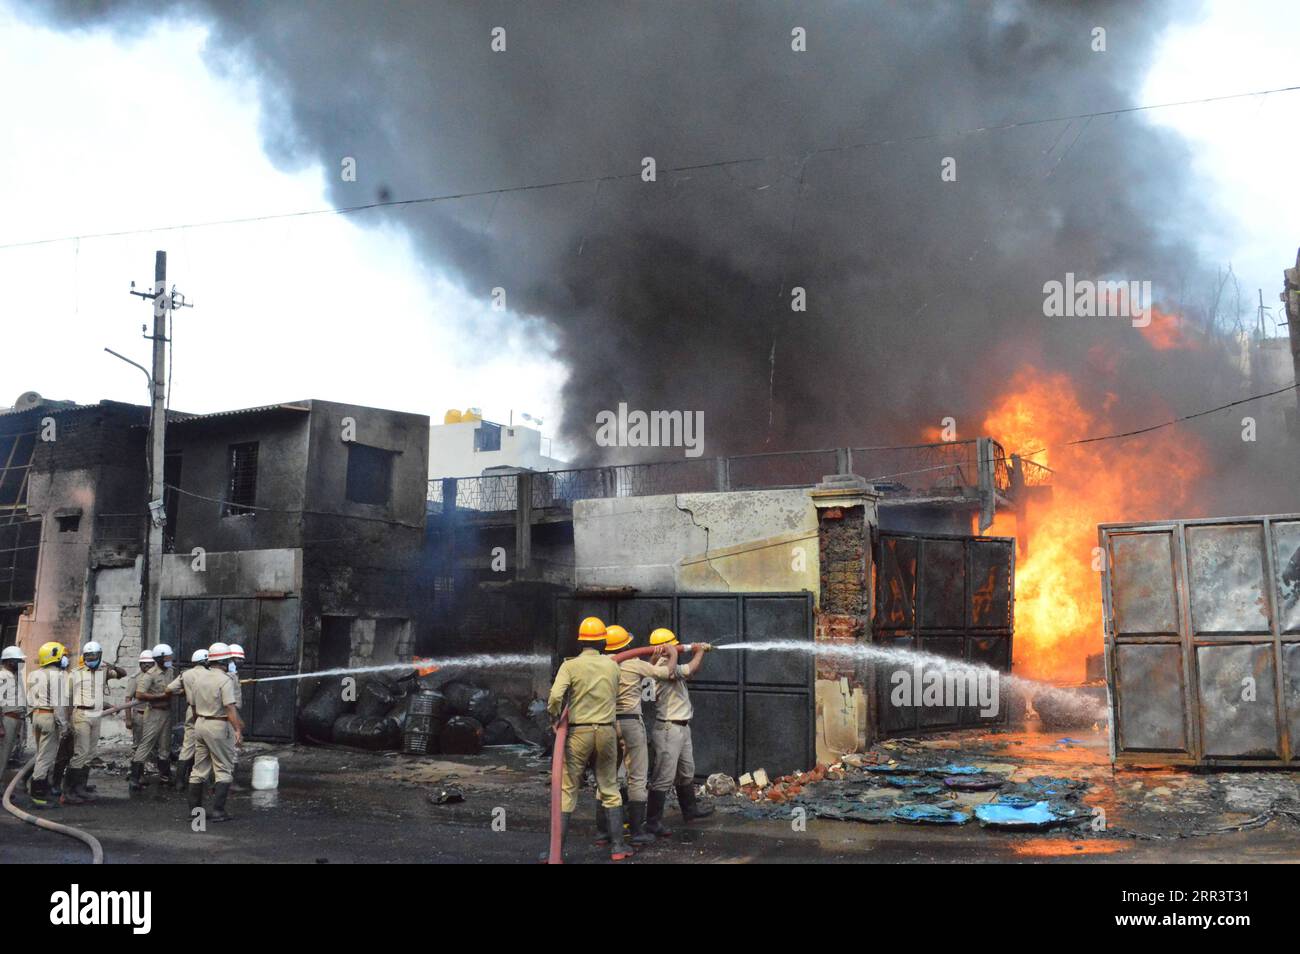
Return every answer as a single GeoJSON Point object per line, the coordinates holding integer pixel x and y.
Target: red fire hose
{"type": "Point", "coordinates": [557, 756]}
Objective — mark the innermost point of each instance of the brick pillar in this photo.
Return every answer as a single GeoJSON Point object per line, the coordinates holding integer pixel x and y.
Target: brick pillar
{"type": "Point", "coordinates": [846, 512]}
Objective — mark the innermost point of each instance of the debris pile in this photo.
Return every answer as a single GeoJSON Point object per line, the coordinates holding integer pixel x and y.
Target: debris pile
{"type": "Point", "coordinates": [427, 715]}
{"type": "Point", "coordinates": [921, 788]}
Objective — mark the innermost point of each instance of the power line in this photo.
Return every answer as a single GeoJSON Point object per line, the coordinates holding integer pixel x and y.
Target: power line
{"type": "Point", "coordinates": [1163, 424]}
{"type": "Point", "coordinates": [692, 167]}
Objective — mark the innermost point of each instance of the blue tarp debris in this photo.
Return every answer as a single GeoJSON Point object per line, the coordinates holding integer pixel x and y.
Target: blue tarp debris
{"type": "Point", "coordinates": [1002, 815]}
{"type": "Point", "coordinates": [928, 815]}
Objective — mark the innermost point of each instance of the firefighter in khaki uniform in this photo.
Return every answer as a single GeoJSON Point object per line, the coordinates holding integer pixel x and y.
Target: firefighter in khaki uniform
{"type": "Point", "coordinates": [86, 693]}
{"type": "Point", "coordinates": [590, 683]}
{"type": "Point", "coordinates": [186, 762]}
{"type": "Point", "coordinates": [11, 707]}
{"type": "Point", "coordinates": [217, 730]}
{"type": "Point", "coordinates": [132, 719]}
{"type": "Point", "coordinates": [631, 730]}
{"type": "Point", "coordinates": [155, 720]}
{"type": "Point", "coordinates": [47, 701]}
{"type": "Point", "coordinates": [674, 758]}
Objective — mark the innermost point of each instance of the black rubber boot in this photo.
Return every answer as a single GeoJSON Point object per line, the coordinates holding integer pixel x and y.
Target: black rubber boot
{"type": "Point", "coordinates": [602, 824]}
{"type": "Point", "coordinates": [691, 809]}
{"type": "Point", "coordinates": [80, 787]}
{"type": "Point", "coordinates": [618, 849]}
{"type": "Point", "coordinates": [39, 793]}
{"type": "Point", "coordinates": [195, 793]}
{"type": "Point", "coordinates": [654, 819]}
{"type": "Point", "coordinates": [183, 768]}
{"type": "Point", "coordinates": [164, 771]}
{"type": "Point", "coordinates": [636, 822]}
{"type": "Point", "coordinates": [71, 793]}
{"type": "Point", "coordinates": [219, 793]}
{"type": "Point", "coordinates": [136, 782]}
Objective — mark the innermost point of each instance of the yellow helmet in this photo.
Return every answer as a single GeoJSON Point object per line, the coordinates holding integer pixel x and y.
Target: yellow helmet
{"type": "Point", "coordinates": [50, 653]}
{"type": "Point", "coordinates": [616, 638]}
{"type": "Point", "coordinates": [663, 637]}
{"type": "Point", "coordinates": [591, 630]}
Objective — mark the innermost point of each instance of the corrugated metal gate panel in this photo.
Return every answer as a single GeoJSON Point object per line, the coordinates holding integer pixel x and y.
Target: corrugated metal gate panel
{"type": "Point", "coordinates": [269, 630]}
{"type": "Point", "coordinates": [1202, 640]}
{"type": "Point", "coordinates": [951, 596]}
{"type": "Point", "coordinates": [752, 710]}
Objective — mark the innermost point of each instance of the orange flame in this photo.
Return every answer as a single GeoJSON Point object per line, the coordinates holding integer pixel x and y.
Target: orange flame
{"type": "Point", "coordinates": [1058, 592]}
{"type": "Point", "coordinates": [1167, 332]}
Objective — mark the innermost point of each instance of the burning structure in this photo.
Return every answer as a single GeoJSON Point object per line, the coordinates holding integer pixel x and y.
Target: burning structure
{"type": "Point", "coordinates": [808, 274]}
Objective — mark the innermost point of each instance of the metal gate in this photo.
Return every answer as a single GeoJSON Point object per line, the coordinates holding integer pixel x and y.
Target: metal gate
{"type": "Point", "coordinates": [270, 632]}
{"type": "Point", "coordinates": [1202, 625]}
{"type": "Point", "coordinates": [949, 596]}
{"type": "Point", "coordinates": [752, 710]}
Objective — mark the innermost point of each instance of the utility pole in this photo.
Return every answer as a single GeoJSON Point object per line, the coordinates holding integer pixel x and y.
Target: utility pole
{"type": "Point", "coordinates": [151, 582]}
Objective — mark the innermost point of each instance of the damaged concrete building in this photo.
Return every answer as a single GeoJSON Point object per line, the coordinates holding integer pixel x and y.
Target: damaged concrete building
{"type": "Point", "coordinates": [294, 529]}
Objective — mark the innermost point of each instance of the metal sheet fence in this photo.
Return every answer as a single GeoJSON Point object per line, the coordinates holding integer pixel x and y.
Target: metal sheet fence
{"type": "Point", "coordinates": [752, 710]}
{"type": "Point", "coordinates": [951, 596]}
{"type": "Point", "coordinates": [1202, 621]}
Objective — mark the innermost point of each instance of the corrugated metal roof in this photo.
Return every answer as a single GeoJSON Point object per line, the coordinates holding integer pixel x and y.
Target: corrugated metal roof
{"type": "Point", "coordinates": [302, 408]}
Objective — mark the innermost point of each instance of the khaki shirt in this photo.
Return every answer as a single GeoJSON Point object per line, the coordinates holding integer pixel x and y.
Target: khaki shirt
{"type": "Point", "coordinates": [46, 688]}
{"type": "Point", "coordinates": [209, 692]}
{"type": "Point", "coordinates": [239, 690]}
{"type": "Point", "coordinates": [9, 701]}
{"type": "Point", "coordinates": [185, 682]}
{"type": "Point", "coordinates": [152, 682]}
{"type": "Point", "coordinates": [83, 683]}
{"type": "Point", "coordinates": [631, 673]}
{"type": "Point", "coordinates": [672, 700]}
{"type": "Point", "coordinates": [591, 682]}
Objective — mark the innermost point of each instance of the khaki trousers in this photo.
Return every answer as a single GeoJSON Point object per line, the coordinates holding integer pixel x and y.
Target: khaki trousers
{"type": "Point", "coordinates": [674, 757]}
{"type": "Point", "coordinates": [45, 732]}
{"type": "Point", "coordinates": [10, 740]}
{"type": "Point", "coordinates": [214, 750]}
{"type": "Point", "coordinates": [584, 742]}
{"type": "Point", "coordinates": [155, 735]}
{"type": "Point", "coordinates": [631, 732]}
{"type": "Point", "coordinates": [187, 743]}
{"type": "Point", "coordinates": [85, 736]}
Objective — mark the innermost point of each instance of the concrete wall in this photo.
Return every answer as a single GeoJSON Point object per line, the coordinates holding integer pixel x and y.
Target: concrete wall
{"type": "Point", "coordinates": [93, 466]}
{"type": "Point", "coordinates": [751, 541]}
{"type": "Point", "coordinates": [282, 439]}
{"type": "Point", "coordinates": [452, 454]}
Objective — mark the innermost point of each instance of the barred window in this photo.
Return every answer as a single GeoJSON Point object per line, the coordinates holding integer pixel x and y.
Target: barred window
{"type": "Point", "coordinates": [241, 485]}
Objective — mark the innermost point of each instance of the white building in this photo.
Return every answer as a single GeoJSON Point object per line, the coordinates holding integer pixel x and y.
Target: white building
{"type": "Point", "coordinates": [468, 448]}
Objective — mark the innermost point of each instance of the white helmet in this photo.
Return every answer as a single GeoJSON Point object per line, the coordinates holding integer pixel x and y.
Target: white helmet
{"type": "Point", "coordinates": [236, 651]}
{"type": "Point", "coordinates": [145, 656]}
{"type": "Point", "coordinates": [12, 652]}
{"type": "Point", "coordinates": [200, 655]}
{"type": "Point", "coordinates": [218, 651]}
{"type": "Point", "coordinates": [162, 649]}
{"type": "Point", "coordinates": [91, 648]}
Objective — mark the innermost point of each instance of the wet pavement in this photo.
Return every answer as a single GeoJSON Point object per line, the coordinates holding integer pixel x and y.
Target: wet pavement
{"type": "Point", "coordinates": [339, 806]}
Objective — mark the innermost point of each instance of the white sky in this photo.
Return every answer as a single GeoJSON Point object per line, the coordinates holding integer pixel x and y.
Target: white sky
{"type": "Point", "coordinates": [101, 134]}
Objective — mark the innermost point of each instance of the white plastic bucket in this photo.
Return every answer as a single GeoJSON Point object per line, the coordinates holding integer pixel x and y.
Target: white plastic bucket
{"type": "Point", "coordinates": [266, 772]}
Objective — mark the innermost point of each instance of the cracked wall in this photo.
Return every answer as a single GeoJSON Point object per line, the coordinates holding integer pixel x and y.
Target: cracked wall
{"type": "Point", "coordinates": [743, 541]}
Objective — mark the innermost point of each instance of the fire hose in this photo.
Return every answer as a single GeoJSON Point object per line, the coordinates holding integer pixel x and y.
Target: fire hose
{"type": "Point", "coordinates": [96, 849]}
{"type": "Point", "coordinates": [557, 755]}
